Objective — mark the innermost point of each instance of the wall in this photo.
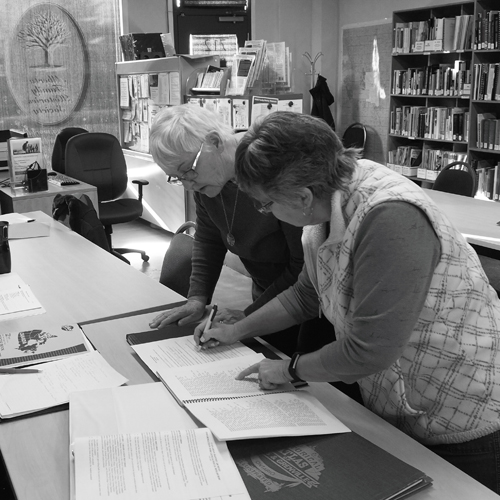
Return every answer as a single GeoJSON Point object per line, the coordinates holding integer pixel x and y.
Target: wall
{"type": "Point", "coordinates": [145, 16]}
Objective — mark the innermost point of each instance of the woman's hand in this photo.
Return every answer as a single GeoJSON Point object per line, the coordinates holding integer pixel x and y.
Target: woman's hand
{"type": "Point", "coordinates": [229, 316]}
{"type": "Point", "coordinates": [219, 334]}
{"type": "Point", "coordinates": [271, 373]}
{"type": "Point", "coordinates": [190, 312]}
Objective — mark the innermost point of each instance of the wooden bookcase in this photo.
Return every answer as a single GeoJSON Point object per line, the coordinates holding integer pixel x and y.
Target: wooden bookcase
{"type": "Point", "coordinates": [416, 67]}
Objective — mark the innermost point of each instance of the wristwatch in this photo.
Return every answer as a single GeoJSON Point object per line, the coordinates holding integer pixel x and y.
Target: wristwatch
{"type": "Point", "coordinates": [292, 367]}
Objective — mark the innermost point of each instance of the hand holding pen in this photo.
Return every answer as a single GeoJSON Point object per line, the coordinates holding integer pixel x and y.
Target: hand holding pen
{"type": "Point", "coordinates": [203, 339]}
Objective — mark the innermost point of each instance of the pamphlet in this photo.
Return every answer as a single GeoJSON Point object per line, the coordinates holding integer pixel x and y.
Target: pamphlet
{"type": "Point", "coordinates": [23, 153]}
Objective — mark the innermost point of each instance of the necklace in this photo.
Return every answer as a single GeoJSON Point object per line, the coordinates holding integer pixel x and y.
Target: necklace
{"type": "Point", "coordinates": [230, 238]}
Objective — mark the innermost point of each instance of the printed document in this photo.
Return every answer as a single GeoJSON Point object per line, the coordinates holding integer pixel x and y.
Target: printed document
{"type": "Point", "coordinates": [182, 351]}
{"type": "Point", "coordinates": [240, 409]}
{"type": "Point", "coordinates": [21, 394]}
{"type": "Point", "coordinates": [16, 298]}
{"type": "Point", "coordinates": [146, 410]}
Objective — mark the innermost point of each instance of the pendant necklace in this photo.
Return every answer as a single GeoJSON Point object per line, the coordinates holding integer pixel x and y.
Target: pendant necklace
{"type": "Point", "coordinates": [230, 238]}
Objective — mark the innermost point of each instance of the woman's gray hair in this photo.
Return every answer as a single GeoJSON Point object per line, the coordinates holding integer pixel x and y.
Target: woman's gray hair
{"type": "Point", "coordinates": [287, 151]}
{"type": "Point", "coordinates": [181, 129]}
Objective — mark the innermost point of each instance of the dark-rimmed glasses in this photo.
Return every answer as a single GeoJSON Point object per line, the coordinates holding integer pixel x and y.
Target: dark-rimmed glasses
{"type": "Point", "coordinates": [265, 208]}
{"type": "Point", "coordinates": [177, 181]}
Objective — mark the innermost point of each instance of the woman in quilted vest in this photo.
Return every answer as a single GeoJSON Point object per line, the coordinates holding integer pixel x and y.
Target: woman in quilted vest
{"type": "Point", "coordinates": [417, 323]}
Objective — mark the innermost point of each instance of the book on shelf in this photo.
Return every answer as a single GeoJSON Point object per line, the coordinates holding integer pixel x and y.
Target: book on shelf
{"type": "Point", "coordinates": [449, 42]}
{"type": "Point", "coordinates": [240, 409]}
{"type": "Point", "coordinates": [481, 137]}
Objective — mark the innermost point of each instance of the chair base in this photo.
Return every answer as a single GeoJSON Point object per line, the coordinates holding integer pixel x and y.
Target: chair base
{"type": "Point", "coordinates": [144, 255]}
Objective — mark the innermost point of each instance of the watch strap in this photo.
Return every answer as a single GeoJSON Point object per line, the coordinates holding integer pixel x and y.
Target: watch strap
{"type": "Point", "coordinates": [292, 367]}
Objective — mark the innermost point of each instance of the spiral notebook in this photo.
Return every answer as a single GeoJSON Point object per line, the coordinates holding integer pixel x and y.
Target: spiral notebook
{"type": "Point", "coordinates": [240, 409]}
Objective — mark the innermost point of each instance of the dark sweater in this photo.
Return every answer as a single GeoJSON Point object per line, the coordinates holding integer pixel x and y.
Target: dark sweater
{"type": "Point", "coordinates": [270, 250]}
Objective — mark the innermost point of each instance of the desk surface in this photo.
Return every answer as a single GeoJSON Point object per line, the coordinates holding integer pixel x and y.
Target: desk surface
{"type": "Point", "coordinates": [475, 219]}
{"type": "Point", "coordinates": [76, 282]}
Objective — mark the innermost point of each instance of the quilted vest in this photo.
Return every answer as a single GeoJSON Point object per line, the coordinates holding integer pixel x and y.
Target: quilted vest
{"type": "Point", "coordinates": [445, 388]}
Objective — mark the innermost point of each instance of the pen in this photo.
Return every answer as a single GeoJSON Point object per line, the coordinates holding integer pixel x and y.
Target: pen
{"type": "Point", "coordinates": [210, 320]}
{"type": "Point", "coordinates": [15, 371]}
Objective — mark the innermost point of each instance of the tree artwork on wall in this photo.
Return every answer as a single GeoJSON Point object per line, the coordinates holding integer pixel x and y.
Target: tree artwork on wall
{"type": "Point", "coordinates": [46, 31]}
{"type": "Point", "coordinates": [49, 65]}
{"type": "Point", "coordinates": [57, 67]}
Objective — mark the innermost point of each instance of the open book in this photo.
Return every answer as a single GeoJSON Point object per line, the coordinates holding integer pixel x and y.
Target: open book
{"type": "Point", "coordinates": [239, 409]}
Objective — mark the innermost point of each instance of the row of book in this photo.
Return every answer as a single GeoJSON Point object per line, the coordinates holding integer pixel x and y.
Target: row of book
{"type": "Point", "coordinates": [417, 158]}
{"type": "Point", "coordinates": [435, 34]}
{"type": "Point", "coordinates": [487, 34]}
{"type": "Point", "coordinates": [434, 80]}
{"type": "Point", "coordinates": [434, 122]}
{"type": "Point", "coordinates": [488, 181]}
{"type": "Point", "coordinates": [487, 82]}
{"type": "Point", "coordinates": [488, 131]}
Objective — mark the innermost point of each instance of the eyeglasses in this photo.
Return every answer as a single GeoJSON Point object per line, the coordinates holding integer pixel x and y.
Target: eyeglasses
{"type": "Point", "coordinates": [177, 181]}
{"type": "Point", "coordinates": [265, 208]}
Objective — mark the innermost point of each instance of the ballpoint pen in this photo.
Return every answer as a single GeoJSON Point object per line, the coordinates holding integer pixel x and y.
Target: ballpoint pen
{"type": "Point", "coordinates": [16, 371]}
{"type": "Point", "coordinates": [209, 323]}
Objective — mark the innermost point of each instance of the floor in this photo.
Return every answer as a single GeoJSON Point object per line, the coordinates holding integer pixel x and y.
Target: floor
{"type": "Point", "coordinates": [233, 289]}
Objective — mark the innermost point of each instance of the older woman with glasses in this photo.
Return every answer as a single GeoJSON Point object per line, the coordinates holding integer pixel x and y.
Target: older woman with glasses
{"type": "Point", "coordinates": [196, 149]}
{"type": "Point", "coordinates": [416, 321]}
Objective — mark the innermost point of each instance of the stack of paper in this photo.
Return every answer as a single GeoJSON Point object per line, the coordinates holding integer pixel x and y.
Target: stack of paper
{"type": "Point", "coordinates": [16, 300]}
{"type": "Point", "coordinates": [26, 393]}
{"type": "Point", "coordinates": [135, 443]}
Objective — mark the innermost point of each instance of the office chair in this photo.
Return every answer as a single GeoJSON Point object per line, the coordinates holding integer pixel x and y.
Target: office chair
{"type": "Point", "coordinates": [354, 136]}
{"type": "Point", "coordinates": [456, 178]}
{"type": "Point", "coordinates": [59, 150]}
{"type": "Point", "coordinates": [176, 267]}
{"type": "Point", "coordinates": [97, 159]}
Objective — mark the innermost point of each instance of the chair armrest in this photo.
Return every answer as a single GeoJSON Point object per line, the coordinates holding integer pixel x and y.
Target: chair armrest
{"type": "Point", "coordinates": [140, 183]}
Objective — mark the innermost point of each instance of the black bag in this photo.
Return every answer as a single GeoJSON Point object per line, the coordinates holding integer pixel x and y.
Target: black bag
{"type": "Point", "coordinates": [36, 178]}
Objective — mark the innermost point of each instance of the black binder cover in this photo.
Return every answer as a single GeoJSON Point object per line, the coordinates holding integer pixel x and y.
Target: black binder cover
{"type": "Point", "coordinates": [339, 466]}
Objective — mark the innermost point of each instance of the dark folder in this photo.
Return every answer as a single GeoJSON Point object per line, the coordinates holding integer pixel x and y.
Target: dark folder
{"type": "Point", "coordinates": [339, 466]}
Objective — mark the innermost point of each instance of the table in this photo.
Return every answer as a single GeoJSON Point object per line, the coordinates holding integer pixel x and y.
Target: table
{"type": "Point", "coordinates": [76, 282]}
{"type": "Point", "coordinates": [20, 200]}
{"type": "Point", "coordinates": [475, 219]}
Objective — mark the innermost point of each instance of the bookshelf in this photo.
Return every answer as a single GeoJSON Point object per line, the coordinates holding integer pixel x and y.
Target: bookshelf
{"type": "Point", "coordinates": [444, 60]}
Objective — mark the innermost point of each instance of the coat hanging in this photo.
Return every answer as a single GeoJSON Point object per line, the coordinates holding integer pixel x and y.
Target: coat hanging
{"type": "Point", "coordinates": [322, 99]}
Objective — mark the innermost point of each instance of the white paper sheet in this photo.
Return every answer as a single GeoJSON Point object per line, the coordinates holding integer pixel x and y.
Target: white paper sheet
{"type": "Point", "coordinates": [135, 409]}
{"type": "Point", "coordinates": [25, 393]}
{"type": "Point", "coordinates": [182, 351]}
{"type": "Point", "coordinates": [16, 298]}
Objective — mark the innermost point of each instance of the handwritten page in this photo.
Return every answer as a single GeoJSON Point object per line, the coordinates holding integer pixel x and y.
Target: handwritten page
{"type": "Point", "coordinates": [26, 393]}
{"type": "Point", "coordinates": [16, 298]}
{"type": "Point", "coordinates": [182, 351]}
{"type": "Point", "coordinates": [180, 464]}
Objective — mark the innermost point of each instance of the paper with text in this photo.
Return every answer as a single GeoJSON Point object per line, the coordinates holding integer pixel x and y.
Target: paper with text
{"type": "Point", "coordinates": [271, 414]}
{"type": "Point", "coordinates": [180, 464]}
{"type": "Point", "coordinates": [182, 351]}
{"type": "Point", "coordinates": [212, 380]}
{"type": "Point", "coordinates": [16, 298]}
{"type": "Point", "coordinates": [26, 393]}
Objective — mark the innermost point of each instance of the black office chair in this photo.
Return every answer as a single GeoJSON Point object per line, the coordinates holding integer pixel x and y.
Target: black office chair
{"type": "Point", "coordinates": [456, 178]}
{"type": "Point", "coordinates": [97, 159]}
{"type": "Point", "coordinates": [59, 150]}
{"type": "Point", "coordinates": [176, 267]}
{"type": "Point", "coordinates": [355, 136]}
